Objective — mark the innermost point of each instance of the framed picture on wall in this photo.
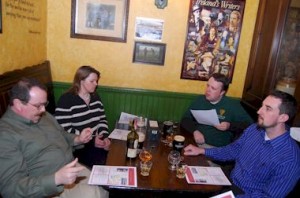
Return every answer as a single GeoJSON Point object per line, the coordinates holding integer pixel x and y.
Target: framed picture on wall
{"type": "Point", "coordinates": [149, 53]}
{"type": "Point", "coordinates": [0, 16]}
{"type": "Point", "coordinates": [212, 38]}
{"type": "Point", "coordinates": [149, 29]}
{"type": "Point", "coordinates": [100, 19]}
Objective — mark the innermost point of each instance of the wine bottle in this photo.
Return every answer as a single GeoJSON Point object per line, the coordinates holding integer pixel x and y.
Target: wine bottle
{"type": "Point", "coordinates": [132, 142]}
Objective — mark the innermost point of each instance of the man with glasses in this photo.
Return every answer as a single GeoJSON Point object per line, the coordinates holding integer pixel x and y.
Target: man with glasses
{"type": "Point", "coordinates": [36, 153]}
{"type": "Point", "coordinates": [40, 106]}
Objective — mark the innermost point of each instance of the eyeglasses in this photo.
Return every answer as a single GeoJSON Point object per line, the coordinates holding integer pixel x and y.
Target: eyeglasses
{"type": "Point", "coordinates": [39, 106]}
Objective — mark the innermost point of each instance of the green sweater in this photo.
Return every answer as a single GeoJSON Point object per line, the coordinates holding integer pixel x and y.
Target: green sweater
{"type": "Point", "coordinates": [228, 110]}
{"type": "Point", "coordinates": [30, 154]}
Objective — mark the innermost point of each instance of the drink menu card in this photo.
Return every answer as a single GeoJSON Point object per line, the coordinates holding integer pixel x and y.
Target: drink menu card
{"type": "Point", "coordinates": [113, 176]}
{"type": "Point", "coordinates": [206, 175]}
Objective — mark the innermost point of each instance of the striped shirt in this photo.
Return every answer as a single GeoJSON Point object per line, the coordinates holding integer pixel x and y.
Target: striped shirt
{"type": "Point", "coordinates": [263, 168]}
{"type": "Point", "coordinates": [74, 115]}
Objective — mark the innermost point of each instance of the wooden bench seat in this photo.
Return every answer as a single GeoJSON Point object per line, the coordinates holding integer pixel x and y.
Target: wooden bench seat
{"type": "Point", "coordinates": [42, 72]}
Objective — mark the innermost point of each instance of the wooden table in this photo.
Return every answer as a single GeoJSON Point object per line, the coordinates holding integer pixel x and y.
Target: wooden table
{"type": "Point", "coordinates": [161, 182]}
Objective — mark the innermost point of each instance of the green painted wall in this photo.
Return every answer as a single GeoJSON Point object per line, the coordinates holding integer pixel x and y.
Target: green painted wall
{"type": "Point", "coordinates": [157, 105]}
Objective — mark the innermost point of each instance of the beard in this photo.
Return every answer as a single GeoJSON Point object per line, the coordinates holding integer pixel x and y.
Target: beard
{"type": "Point", "coordinates": [261, 124]}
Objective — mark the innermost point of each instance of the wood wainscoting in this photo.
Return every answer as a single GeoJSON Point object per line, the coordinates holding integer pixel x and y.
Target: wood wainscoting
{"type": "Point", "coordinates": [157, 105]}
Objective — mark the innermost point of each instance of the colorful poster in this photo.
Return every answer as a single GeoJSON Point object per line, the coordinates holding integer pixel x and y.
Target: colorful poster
{"type": "Point", "coordinates": [212, 39]}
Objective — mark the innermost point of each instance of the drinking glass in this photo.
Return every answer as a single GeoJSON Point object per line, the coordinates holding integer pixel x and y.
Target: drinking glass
{"type": "Point", "coordinates": [145, 155]}
{"type": "Point", "coordinates": [167, 133]}
{"type": "Point", "coordinates": [181, 170]}
{"type": "Point", "coordinates": [145, 167]}
{"type": "Point", "coordinates": [174, 158]}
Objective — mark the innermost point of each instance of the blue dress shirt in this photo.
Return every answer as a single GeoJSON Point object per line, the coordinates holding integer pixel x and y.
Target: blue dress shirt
{"type": "Point", "coordinates": [263, 168]}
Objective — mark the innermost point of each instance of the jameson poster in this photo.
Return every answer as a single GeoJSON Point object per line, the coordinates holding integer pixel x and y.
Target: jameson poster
{"type": "Point", "coordinates": [212, 38]}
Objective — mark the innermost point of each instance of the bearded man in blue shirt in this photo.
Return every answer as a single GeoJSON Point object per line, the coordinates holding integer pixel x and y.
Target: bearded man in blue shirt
{"type": "Point", "coordinates": [267, 159]}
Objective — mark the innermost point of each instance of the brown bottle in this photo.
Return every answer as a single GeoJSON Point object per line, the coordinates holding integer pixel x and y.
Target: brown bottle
{"type": "Point", "coordinates": [132, 142]}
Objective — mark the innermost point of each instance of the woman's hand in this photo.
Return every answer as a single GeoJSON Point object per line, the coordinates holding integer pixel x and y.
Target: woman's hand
{"type": "Point", "coordinates": [84, 137]}
{"type": "Point", "coordinates": [99, 143]}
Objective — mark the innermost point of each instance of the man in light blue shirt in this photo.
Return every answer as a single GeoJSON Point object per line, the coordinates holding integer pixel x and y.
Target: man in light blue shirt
{"type": "Point", "coordinates": [267, 159]}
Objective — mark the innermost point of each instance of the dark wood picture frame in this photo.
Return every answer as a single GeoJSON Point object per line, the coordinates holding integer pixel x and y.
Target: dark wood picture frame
{"type": "Point", "coordinates": [101, 20]}
{"type": "Point", "coordinates": [149, 53]}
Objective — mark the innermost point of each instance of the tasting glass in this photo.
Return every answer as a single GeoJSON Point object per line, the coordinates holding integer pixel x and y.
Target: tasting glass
{"type": "Point", "coordinates": [173, 158]}
{"type": "Point", "coordinates": [145, 155]}
{"type": "Point", "coordinates": [181, 170]}
{"type": "Point", "coordinates": [145, 167]}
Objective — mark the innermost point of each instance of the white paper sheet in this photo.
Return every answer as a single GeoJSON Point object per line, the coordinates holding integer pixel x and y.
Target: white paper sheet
{"type": "Point", "coordinates": [113, 175]}
{"type": "Point", "coordinates": [125, 118]}
{"type": "Point", "coordinates": [119, 134]}
{"type": "Point", "coordinates": [295, 133]}
{"type": "Point", "coordinates": [207, 117]}
{"type": "Point", "coordinates": [153, 123]}
{"type": "Point", "coordinates": [228, 194]}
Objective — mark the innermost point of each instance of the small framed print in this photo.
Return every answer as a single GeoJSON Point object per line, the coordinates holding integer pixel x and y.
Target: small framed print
{"type": "Point", "coordinates": [149, 53]}
{"type": "Point", "coordinates": [100, 19]}
{"type": "Point", "coordinates": [149, 29]}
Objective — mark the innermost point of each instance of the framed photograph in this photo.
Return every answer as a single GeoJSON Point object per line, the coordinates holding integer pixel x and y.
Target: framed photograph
{"type": "Point", "coordinates": [149, 29]}
{"type": "Point", "coordinates": [149, 53]}
{"type": "Point", "coordinates": [0, 16]}
{"type": "Point", "coordinates": [212, 38]}
{"type": "Point", "coordinates": [100, 19]}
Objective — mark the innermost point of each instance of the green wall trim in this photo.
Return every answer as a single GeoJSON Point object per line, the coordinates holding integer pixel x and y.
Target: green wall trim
{"type": "Point", "coordinates": [157, 105]}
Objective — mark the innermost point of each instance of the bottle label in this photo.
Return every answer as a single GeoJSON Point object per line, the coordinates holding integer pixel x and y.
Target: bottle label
{"type": "Point", "coordinates": [131, 153]}
{"type": "Point", "coordinates": [141, 136]}
{"type": "Point", "coordinates": [132, 149]}
{"type": "Point", "coordinates": [135, 144]}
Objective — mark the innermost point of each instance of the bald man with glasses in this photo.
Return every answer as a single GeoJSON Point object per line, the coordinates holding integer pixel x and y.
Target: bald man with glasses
{"type": "Point", "coordinates": [36, 152]}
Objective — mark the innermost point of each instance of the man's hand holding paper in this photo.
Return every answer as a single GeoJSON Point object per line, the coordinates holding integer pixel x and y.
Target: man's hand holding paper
{"type": "Point", "coordinates": [223, 126]}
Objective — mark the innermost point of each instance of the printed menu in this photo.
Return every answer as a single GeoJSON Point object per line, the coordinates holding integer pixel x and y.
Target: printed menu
{"type": "Point", "coordinates": [228, 194]}
{"type": "Point", "coordinates": [113, 176]}
{"type": "Point", "coordinates": [206, 175]}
